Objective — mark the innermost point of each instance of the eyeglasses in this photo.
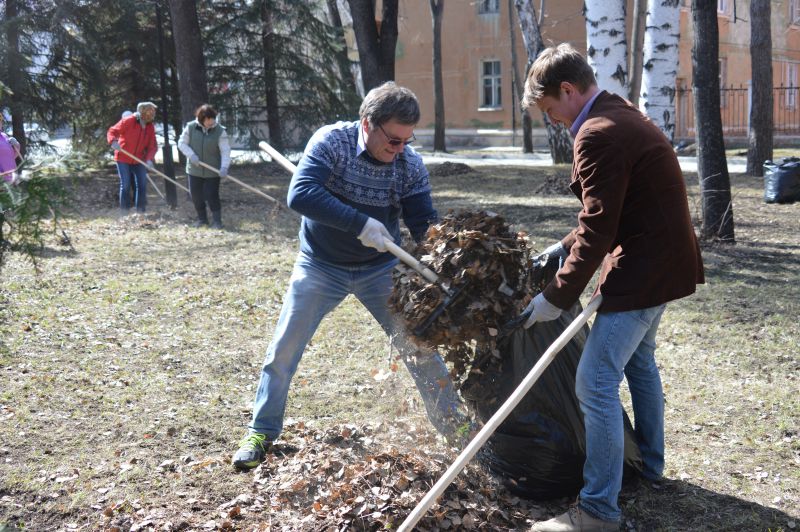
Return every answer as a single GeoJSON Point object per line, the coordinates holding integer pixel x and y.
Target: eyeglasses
{"type": "Point", "coordinates": [397, 142]}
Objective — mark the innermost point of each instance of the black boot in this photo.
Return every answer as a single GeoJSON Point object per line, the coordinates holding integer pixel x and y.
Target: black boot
{"type": "Point", "coordinates": [216, 219]}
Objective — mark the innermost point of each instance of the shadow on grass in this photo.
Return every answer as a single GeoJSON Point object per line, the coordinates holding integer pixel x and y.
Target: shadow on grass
{"type": "Point", "coordinates": [680, 505]}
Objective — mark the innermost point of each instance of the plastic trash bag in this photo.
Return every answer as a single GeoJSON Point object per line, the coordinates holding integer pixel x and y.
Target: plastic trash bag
{"type": "Point", "coordinates": [539, 450]}
{"type": "Point", "coordinates": [782, 182]}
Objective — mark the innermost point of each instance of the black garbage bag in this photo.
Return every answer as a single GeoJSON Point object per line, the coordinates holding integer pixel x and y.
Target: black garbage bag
{"type": "Point", "coordinates": [539, 449]}
{"type": "Point", "coordinates": [782, 182]}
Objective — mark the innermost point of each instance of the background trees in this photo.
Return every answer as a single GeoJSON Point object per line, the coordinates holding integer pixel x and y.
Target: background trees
{"type": "Point", "coordinates": [761, 120]}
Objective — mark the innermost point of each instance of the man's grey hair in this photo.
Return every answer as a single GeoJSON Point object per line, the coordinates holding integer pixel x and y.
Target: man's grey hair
{"type": "Point", "coordinates": [141, 106]}
{"type": "Point", "coordinates": [390, 101]}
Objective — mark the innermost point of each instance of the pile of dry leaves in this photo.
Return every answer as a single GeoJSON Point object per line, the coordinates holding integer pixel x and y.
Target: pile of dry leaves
{"type": "Point", "coordinates": [486, 265]}
{"type": "Point", "coordinates": [340, 479]}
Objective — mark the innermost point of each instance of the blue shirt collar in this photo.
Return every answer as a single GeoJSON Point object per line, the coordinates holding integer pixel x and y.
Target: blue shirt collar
{"type": "Point", "coordinates": [576, 125]}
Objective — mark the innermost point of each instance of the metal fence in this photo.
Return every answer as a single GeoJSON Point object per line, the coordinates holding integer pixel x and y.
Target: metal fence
{"type": "Point", "coordinates": [735, 111]}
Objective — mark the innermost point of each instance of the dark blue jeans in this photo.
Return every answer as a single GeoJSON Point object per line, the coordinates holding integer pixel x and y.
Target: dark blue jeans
{"type": "Point", "coordinates": [127, 172]}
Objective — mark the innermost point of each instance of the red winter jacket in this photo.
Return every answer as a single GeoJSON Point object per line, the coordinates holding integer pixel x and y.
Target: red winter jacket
{"type": "Point", "coordinates": [133, 139]}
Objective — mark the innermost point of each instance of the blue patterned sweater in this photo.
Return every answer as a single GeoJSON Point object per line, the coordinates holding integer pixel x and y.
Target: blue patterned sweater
{"type": "Point", "coordinates": [338, 185]}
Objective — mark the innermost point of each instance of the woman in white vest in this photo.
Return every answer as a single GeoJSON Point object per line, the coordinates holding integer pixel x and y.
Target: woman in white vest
{"type": "Point", "coordinates": [205, 140]}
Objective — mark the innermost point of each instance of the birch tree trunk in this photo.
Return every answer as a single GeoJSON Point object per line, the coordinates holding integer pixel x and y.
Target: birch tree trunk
{"type": "Point", "coordinates": [606, 45]}
{"type": "Point", "coordinates": [558, 137]}
{"type": "Point", "coordinates": [712, 167]}
{"type": "Point", "coordinates": [341, 56]}
{"type": "Point", "coordinates": [189, 58]}
{"type": "Point", "coordinates": [661, 40]}
{"type": "Point", "coordinates": [437, 11]}
{"type": "Point", "coordinates": [760, 135]}
{"type": "Point", "coordinates": [519, 82]}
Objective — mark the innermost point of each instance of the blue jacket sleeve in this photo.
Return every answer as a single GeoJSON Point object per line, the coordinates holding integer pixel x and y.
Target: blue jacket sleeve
{"type": "Point", "coordinates": [418, 214]}
{"type": "Point", "coordinates": [308, 195]}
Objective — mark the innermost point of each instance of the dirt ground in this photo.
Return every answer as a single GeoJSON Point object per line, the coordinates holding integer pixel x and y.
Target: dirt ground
{"type": "Point", "coordinates": [129, 363]}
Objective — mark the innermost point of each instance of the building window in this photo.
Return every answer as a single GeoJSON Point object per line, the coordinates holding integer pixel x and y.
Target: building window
{"type": "Point", "coordinates": [722, 6]}
{"type": "Point", "coordinates": [490, 85]}
{"type": "Point", "coordinates": [794, 11]}
{"type": "Point", "coordinates": [488, 6]}
{"type": "Point", "coordinates": [790, 81]}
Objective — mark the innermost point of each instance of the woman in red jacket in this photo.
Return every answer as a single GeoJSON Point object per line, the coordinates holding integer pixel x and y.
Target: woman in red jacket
{"type": "Point", "coordinates": [136, 135]}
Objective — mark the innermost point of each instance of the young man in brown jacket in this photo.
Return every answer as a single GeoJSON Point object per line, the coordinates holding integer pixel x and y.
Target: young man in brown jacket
{"type": "Point", "coordinates": [635, 226]}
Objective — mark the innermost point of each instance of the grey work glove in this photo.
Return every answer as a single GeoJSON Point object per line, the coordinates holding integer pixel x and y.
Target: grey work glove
{"type": "Point", "coordinates": [373, 234]}
{"type": "Point", "coordinates": [150, 164]}
{"type": "Point", "coordinates": [194, 159]}
{"type": "Point", "coordinates": [541, 310]}
{"type": "Point", "coordinates": [223, 171]}
{"type": "Point", "coordinates": [115, 144]}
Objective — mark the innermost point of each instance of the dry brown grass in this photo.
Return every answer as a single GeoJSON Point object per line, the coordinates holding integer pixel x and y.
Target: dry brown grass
{"type": "Point", "coordinates": [145, 343]}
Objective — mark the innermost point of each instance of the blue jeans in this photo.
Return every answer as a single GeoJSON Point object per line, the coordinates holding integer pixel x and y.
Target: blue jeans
{"type": "Point", "coordinates": [126, 173]}
{"type": "Point", "coordinates": [619, 343]}
{"type": "Point", "coordinates": [315, 289]}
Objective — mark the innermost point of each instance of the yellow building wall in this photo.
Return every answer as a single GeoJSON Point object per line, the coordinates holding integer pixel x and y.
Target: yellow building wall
{"type": "Point", "coordinates": [469, 38]}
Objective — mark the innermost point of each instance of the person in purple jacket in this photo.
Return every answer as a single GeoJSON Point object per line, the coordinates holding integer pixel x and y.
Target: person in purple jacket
{"type": "Point", "coordinates": [9, 152]}
{"type": "Point", "coordinates": [354, 183]}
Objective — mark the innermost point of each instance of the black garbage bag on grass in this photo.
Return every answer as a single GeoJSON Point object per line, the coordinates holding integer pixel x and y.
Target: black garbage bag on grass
{"type": "Point", "coordinates": [539, 450]}
{"type": "Point", "coordinates": [782, 182]}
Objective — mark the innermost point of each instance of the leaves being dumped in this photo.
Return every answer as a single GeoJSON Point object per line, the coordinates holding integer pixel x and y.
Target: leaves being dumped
{"type": "Point", "coordinates": [487, 265]}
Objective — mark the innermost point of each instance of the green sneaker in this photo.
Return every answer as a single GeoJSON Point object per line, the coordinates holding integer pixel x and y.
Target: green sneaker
{"type": "Point", "coordinates": [252, 450]}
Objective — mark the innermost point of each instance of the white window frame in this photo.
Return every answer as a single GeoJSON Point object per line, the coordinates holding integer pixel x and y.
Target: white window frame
{"type": "Point", "coordinates": [723, 75]}
{"type": "Point", "coordinates": [488, 7]}
{"type": "Point", "coordinates": [493, 80]}
{"type": "Point", "coordinates": [790, 73]}
{"type": "Point", "coordinates": [794, 12]}
{"type": "Point", "coordinates": [722, 7]}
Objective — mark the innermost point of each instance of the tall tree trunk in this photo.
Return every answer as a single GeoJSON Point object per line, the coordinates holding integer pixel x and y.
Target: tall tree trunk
{"type": "Point", "coordinates": [376, 40]}
{"type": "Point", "coordinates": [268, 37]}
{"type": "Point", "coordinates": [177, 119]}
{"type": "Point", "coordinates": [661, 41]}
{"type": "Point", "coordinates": [606, 47]}
{"type": "Point", "coordinates": [189, 56]}
{"type": "Point", "coordinates": [557, 135]}
{"type": "Point", "coordinates": [437, 12]}
{"type": "Point", "coordinates": [341, 56]}
{"type": "Point", "coordinates": [519, 82]}
{"type": "Point", "coordinates": [760, 135]}
{"type": "Point", "coordinates": [637, 45]}
{"type": "Point", "coordinates": [16, 75]}
{"type": "Point", "coordinates": [712, 167]}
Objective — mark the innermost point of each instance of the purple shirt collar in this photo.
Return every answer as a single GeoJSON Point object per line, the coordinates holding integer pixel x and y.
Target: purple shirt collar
{"type": "Point", "coordinates": [576, 125]}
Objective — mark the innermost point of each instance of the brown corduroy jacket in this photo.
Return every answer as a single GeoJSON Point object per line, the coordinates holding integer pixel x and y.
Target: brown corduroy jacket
{"type": "Point", "coordinates": [635, 221]}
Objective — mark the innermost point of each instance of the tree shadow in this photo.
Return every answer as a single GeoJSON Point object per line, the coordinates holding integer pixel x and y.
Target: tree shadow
{"type": "Point", "coordinates": [678, 505]}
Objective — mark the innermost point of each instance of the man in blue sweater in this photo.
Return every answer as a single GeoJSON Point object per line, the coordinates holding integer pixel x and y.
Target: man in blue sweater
{"type": "Point", "coordinates": [354, 182]}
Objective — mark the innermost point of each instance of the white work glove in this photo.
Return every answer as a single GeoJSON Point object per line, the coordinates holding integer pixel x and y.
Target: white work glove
{"type": "Point", "coordinates": [373, 234]}
{"type": "Point", "coordinates": [150, 163]}
{"type": "Point", "coordinates": [223, 171]}
{"type": "Point", "coordinates": [194, 159]}
{"type": "Point", "coordinates": [13, 142]}
{"type": "Point", "coordinates": [541, 310]}
{"type": "Point", "coordinates": [115, 145]}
